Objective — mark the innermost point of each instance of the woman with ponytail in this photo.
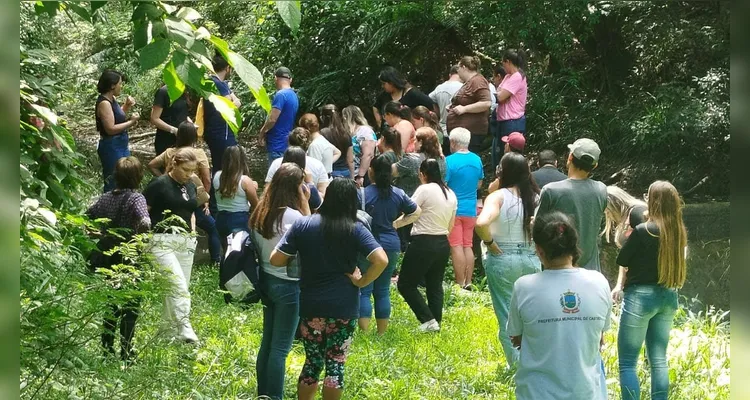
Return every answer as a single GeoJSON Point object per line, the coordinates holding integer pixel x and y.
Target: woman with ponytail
{"type": "Point", "coordinates": [385, 203]}
{"type": "Point", "coordinates": [389, 145]}
{"type": "Point", "coordinates": [421, 116]}
{"type": "Point", "coordinates": [557, 319]}
{"type": "Point", "coordinates": [652, 268]}
{"type": "Point", "coordinates": [505, 227]}
{"type": "Point", "coordinates": [398, 116]}
{"type": "Point", "coordinates": [511, 98]}
{"type": "Point", "coordinates": [428, 252]}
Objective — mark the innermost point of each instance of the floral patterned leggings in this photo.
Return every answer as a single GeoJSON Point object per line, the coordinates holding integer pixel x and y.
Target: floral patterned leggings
{"type": "Point", "coordinates": [327, 342]}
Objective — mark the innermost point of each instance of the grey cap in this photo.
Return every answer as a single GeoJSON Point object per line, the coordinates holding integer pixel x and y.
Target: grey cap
{"type": "Point", "coordinates": [283, 72]}
{"type": "Point", "coordinates": [585, 147]}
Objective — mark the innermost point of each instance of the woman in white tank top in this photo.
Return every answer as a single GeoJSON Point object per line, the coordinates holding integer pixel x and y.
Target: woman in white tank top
{"type": "Point", "coordinates": [505, 227]}
{"type": "Point", "coordinates": [235, 193]}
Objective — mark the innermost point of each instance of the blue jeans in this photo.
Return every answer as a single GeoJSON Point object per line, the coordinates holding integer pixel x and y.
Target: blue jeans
{"type": "Point", "coordinates": [208, 225]}
{"type": "Point", "coordinates": [231, 222]}
{"type": "Point", "coordinates": [502, 272]}
{"type": "Point", "coordinates": [280, 320]}
{"type": "Point", "coordinates": [505, 128]}
{"type": "Point", "coordinates": [647, 314]}
{"type": "Point", "coordinates": [343, 173]}
{"type": "Point", "coordinates": [272, 155]}
{"type": "Point", "coordinates": [111, 149]}
{"type": "Point", "coordinates": [217, 143]}
{"type": "Point", "coordinates": [380, 288]}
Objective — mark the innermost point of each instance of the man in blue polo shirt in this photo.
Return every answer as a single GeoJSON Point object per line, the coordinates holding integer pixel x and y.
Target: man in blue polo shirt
{"type": "Point", "coordinates": [285, 104]}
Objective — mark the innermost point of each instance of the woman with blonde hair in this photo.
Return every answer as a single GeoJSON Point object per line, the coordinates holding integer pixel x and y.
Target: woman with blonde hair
{"type": "Point", "coordinates": [623, 213]}
{"type": "Point", "coordinates": [363, 142]}
{"type": "Point", "coordinates": [652, 268]}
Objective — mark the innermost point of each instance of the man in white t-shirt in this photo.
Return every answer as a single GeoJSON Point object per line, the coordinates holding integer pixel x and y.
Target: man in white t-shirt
{"type": "Point", "coordinates": [560, 315]}
{"type": "Point", "coordinates": [443, 94]}
{"type": "Point", "coordinates": [316, 170]}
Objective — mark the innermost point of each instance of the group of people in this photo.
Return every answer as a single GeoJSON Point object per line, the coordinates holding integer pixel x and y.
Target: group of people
{"type": "Point", "coordinates": [343, 201]}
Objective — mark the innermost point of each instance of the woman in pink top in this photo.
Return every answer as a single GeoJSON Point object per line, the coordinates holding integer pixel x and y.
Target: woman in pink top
{"type": "Point", "coordinates": [511, 98]}
{"type": "Point", "coordinates": [398, 116]}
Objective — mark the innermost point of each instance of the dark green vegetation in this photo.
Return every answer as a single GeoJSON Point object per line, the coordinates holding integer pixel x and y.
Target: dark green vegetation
{"type": "Point", "coordinates": [648, 81]}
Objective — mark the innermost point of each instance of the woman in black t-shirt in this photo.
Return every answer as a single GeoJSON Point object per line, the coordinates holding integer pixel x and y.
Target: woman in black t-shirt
{"type": "Point", "coordinates": [171, 201]}
{"type": "Point", "coordinates": [623, 213]}
{"type": "Point", "coordinates": [397, 88]}
{"type": "Point", "coordinates": [652, 268]}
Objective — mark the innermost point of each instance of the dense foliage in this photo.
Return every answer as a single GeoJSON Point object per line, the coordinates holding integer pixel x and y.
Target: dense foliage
{"type": "Point", "coordinates": [647, 80]}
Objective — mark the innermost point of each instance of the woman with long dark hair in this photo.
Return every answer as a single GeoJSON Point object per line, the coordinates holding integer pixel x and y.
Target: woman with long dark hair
{"type": "Point", "coordinates": [235, 192]}
{"type": "Point", "coordinates": [332, 128]}
{"type": "Point", "coordinates": [284, 201]}
{"type": "Point", "coordinates": [428, 252]}
{"type": "Point", "coordinates": [112, 123]}
{"type": "Point", "coordinates": [558, 318]}
{"type": "Point", "coordinates": [511, 97]}
{"type": "Point", "coordinates": [398, 117]}
{"type": "Point", "coordinates": [389, 145]}
{"type": "Point", "coordinates": [505, 227]}
{"type": "Point", "coordinates": [652, 269]}
{"type": "Point", "coordinates": [328, 245]}
{"type": "Point", "coordinates": [397, 88]}
{"type": "Point", "coordinates": [385, 204]}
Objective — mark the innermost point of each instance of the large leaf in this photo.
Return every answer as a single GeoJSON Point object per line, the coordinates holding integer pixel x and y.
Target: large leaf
{"type": "Point", "coordinates": [158, 29]}
{"type": "Point", "coordinates": [95, 5]}
{"type": "Point", "coordinates": [175, 86]}
{"type": "Point", "coordinates": [221, 45]}
{"type": "Point", "coordinates": [252, 78]}
{"type": "Point", "coordinates": [46, 113]}
{"type": "Point", "coordinates": [50, 7]}
{"type": "Point", "coordinates": [147, 10]}
{"type": "Point", "coordinates": [154, 54]}
{"type": "Point", "coordinates": [290, 12]}
{"type": "Point", "coordinates": [181, 65]}
{"type": "Point", "coordinates": [228, 111]}
{"type": "Point", "coordinates": [188, 14]}
{"type": "Point", "coordinates": [82, 12]}
{"type": "Point", "coordinates": [140, 34]}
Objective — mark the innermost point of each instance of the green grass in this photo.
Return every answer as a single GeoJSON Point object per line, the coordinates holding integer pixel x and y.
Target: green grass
{"type": "Point", "coordinates": [463, 361]}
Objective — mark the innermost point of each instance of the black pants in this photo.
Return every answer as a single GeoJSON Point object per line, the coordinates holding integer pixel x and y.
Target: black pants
{"type": "Point", "coordinates": [404, 235]}
{"type": "Point", "coordinates": [126, 315]}
{"type": "Point", "coordinates": [426, 259]}
{"type": "Point", "coordinates": [163, 141]}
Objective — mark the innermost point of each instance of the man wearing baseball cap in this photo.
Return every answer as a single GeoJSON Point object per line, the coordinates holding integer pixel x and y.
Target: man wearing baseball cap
{"type": "Point", "coordinates": [582, 198]}
{"type": "Point", "coordinates": [514, 142]}
{"type": "Point", "coordinates": [280, 122]}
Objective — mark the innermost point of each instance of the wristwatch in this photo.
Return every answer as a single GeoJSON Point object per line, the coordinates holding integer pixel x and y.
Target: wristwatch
{"type": "Point", "coordinates": [488, 242]}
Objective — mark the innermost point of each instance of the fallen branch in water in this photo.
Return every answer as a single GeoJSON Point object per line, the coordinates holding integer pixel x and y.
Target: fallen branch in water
{"type": "Point", "coordinates": [697, 185]}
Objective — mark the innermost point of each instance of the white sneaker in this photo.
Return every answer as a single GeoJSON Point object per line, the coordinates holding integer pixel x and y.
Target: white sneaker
{"type": "Point", "coordinates": [429, 326]}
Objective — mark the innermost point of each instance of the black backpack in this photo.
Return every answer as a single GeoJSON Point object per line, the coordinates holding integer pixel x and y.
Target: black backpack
{"type": "Point", "coordinates": [240, 271]}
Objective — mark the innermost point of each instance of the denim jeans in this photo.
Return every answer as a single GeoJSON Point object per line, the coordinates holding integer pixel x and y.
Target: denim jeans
{"type": "Point", "coordinates": [280, 320]}
{"type": "Point", "coordinates": [647, 314]}
{"type": "Point", "coordinates": [111, 149]}
{"type": "Point", "coordinates": [502, 272]}
{"type": "Point", "coordinates": [380, 288]}
{"type": "Point", "coordinates": [272, 155]}
{"type": "Point", "coordinates": [231, 222]}
{"type": "Point", "coordinates": [342, 173]}
{"type": "Point", "coordinates": [505, 128]}
{"type": "Point", "coordinates": [208, 225]}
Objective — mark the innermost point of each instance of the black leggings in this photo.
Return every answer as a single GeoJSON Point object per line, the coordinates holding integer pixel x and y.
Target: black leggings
{"type": "Point", "coordinates": [126, 314]}
{"type": "Point", "coordinates": [426, 258]}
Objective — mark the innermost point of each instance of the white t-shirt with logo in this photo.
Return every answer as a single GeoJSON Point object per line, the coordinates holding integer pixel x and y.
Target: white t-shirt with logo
{"type": "Point", "coordinates": [561, 315]}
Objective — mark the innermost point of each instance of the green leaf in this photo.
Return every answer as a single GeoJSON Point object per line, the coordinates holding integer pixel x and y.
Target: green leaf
{"type": "Point", "coordinates": [50, 7]}
{"type": "Point", "coordinates": [175, 86]}
{"type": "Point", "coordinates": [95, 5]}
{"type": "Point", "coordinates": [221, 45]}
{"type": "Point", "coordinates": [154, 54]}
{"type": "Point", "coordinates": [228, 111]}
{"type": "Point", "coordinates": [251, 76]}
{"type": "Point", "coordinates": [158, 29]}
{"type": "Point", "coordinates": [140, 34]}
{"type": "Point", "coordinates": [147, 10]}
{"type": "Point", "coordinates": [46, 113]}
{"type": "Point", "coordinates": [168, 7]}
{"type": "Point", "coordinates": [290, 12]}
{"type": "Point", "coordinates": [188, 14]}
{"type": "Point", "coordinates": [82, 12]}
{"type": "Point", "coordinates": [59, 171]}
{"type": "Point", "coordinates": [64, 137]}
{"type": "Point", "coordinates": [181, 65]}
{"type": "Point", "coordinates": [184, 39]}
